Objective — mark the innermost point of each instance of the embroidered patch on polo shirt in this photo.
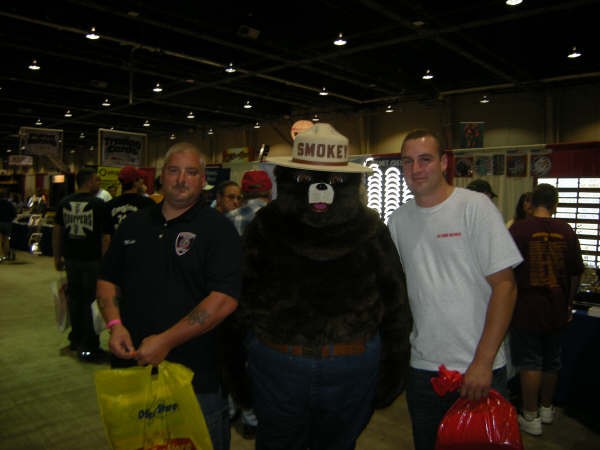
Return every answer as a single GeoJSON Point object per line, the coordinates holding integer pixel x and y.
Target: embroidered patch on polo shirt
{"type": "Point", "coordinates": [184, 242]}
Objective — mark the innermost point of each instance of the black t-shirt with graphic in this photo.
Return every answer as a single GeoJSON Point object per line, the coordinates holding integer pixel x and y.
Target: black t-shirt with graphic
{"type": "Point", "coordinates": [84, 218]}
{"type": "Point", "coordinates": [120, 207]}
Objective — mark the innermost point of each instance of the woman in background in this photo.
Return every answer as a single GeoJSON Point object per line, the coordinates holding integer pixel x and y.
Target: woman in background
{"type": "Point", "coordinates": [523, 210]}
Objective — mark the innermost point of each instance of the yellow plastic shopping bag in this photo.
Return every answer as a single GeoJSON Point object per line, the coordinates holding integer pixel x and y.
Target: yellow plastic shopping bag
{"type": "Point", "coordinates": [143, 411]}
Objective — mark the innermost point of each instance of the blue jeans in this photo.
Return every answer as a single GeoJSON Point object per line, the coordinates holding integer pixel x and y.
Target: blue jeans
{"type": "Point", "coordinates": [427, 409]}
{"type": "Point", "coordinates": [316, 403]}
{"type": "Point", "coordinates": [216, 415]}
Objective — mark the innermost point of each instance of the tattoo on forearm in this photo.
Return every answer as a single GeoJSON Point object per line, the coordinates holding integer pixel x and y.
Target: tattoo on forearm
{"type": "Point", "coordinates": [197, 316]}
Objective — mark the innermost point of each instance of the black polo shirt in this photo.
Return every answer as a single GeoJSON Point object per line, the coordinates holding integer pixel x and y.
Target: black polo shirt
{"type": "Point", "coordinates": [165, 268]}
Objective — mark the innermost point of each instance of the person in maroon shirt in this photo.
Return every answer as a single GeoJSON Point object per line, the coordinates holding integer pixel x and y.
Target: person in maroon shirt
{"type": "Point", "coordinates": [547, 281]}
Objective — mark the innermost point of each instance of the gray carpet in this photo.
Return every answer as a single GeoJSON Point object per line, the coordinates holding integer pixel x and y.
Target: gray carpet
{"type": "Point", "coordinates": [48, 401]}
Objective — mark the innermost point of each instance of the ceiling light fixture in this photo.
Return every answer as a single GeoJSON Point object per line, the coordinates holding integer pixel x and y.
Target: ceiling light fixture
{"type": "Point", "coordinates": [574, 53]}
{"type": "Point", "coordinates": [315, 118]}
{"type": "Point", "coordinates": [513, 2]}
{"type": "Point", "coordinates": [257, 125]}
{"type": "Point", "coordinates": [34, 65]}
{"type": "Point", "coordinates": [247, 105]}
{"type": "Point", "coordinates": [9, 150]}
{"type": "Point", "coordinates": [230, 68]}
{"type": "Point", "coordinates": [82, 135]}
{"type": "Point", "coordinates": [157, 88]}
{"type": "Point", "coordinates": [427, 75]}
{"type": "Point", "coordinates": [191, 115]}
{"type": "Point", "coordinates": [39, 122]}
{"type": "Point", "coordinates": [210, 132]}
{"type": "Point", "coordinates": [106, 103]}
{"type": "Point", "coordinates": [172, 137]}
{"type": "Point", "coordinates": [146, 123]}
{"type": "Point", "coordinates": [92, 34]}
{"type": "Point", "coordinates": [389, 109]}
{"type": "Point", "coordinates": [68, 113]}
{"type": "Point", "coordinates": [340, 40]}
{"type": "Point", "coordinates": [484, 99]}
{"type": "Point", "coordinates": [323, 91]}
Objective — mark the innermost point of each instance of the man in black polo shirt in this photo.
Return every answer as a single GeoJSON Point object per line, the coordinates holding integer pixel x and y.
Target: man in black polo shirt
{"type": "Point", "coordinates": [79, 237]}
{"type": "Point", "coordinates": [170, 276]}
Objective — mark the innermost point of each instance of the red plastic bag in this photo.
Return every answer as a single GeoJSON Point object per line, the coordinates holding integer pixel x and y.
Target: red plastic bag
{"type": "Point", "coordinates": [487, 424]}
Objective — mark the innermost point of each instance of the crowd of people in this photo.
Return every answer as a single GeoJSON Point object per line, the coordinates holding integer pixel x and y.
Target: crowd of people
{"type": "Point", "coordinates": [167, 271]}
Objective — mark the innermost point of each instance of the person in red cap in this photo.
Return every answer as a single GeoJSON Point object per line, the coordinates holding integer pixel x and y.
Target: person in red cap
{"type": "Point", "coordinates": [256, 188]}
{"type": "Point", "coordinates": [130, 199]}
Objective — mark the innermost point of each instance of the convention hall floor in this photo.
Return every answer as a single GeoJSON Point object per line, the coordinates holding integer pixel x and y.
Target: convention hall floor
{"type": "Point", "coordinates": [47, 401]}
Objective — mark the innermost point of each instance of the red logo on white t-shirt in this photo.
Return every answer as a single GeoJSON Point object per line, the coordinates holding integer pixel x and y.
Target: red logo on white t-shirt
{"type": "Point", "coordinates": [449, 235]}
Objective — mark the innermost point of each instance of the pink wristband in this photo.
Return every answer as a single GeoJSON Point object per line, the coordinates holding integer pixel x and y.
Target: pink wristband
{"type": "Point", "coordinates": [112, 323]}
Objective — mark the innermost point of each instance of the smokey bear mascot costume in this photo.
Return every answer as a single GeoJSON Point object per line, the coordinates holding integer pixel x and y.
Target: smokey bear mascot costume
{"type": "Point", "coordinates": [324, 303]}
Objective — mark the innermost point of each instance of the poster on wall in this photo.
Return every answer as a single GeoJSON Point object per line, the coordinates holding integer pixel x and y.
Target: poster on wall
{"type": "Point", "coordinates": [516, 165]}
{"type": "Point", "coordinates": [236, 155]}
{"type": "Point", "coordinates": [541, 163]}
{"type": "Point", "coordinates": [20, 160]}
{"type": "Point", "coordinates": [463, 166]}
{"type": "Point", "coordinates": [121, 148]}
{"type": "Point", "coordinates": [498, 164]}
{"type": "Point", "coordinates": [483, 165]}
{"type": "Point", "coordinates": [41, 141]}
{"type": "Point", "coordinates": [471, 134]}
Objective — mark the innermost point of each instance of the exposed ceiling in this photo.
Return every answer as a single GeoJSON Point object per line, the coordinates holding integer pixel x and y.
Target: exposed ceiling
{"type": "Point", "coordinates": [284, 54]}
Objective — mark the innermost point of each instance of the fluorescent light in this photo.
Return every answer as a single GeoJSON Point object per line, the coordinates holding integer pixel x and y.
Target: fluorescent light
{"type": "Point", "coordinates": [211, 131]}
{"type": "Point", "coordinates": [34, 65]}
{"type": "Point", "coordinates": [574, 53]}
{"type": "Point", "coordinates": [39, 122]}
{"type": "Point", "coordinates": [68, 113]}
{"type": "Point", "coordinates": [191, 115]}
{"type": "Point", "coordinates": [257, 125]}
{"type": "Point", "coordinates": [157, 88]}
{"type": "Point", "coordinates": [172, 137]}
{"type": "Point", "coordinates": [484, 99]}
{"type": "Point", "coordinates": [82, 135]}
{"type": "Point", "coordinates": [146, 123]}
{"type": "Point", "coordinates": [247, 105]}
{"type": "Point", "coordinates": [427, 75]}
{"type": "Point", "coordinates": [106, 103]}
{"type": "Point", "coordinates": [230, 68]}
{"type": "Point", "coordinates": [513, 2]}
{"type": "Point", "coordinates": [315, 118]}
{"type": "Point", "coordinates": [92, 34]}
{"type": "Point", "coordinates": [340, 40]}
{"type": "Point", "coordinates": [389, 109]}
{"type": "Point", "coordinates": [324, 91]}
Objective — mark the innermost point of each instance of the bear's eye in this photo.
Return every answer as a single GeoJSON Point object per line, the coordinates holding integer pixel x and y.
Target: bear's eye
{"type": "Point", "coordinates": [303, 178]}
{"type": "Point", "coordinates": [336, 179]}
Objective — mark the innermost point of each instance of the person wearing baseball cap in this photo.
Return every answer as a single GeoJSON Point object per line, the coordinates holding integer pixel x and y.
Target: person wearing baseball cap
{"type": "Point", "coordinates": [256, 189]}
{"type": "Point", "coordinates": [482, 186]}
{"type": "Point", "coordinates": [130, 200]}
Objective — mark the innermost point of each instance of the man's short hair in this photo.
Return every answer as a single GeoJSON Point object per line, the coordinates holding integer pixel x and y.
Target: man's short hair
{"type": "Point", "coordinates": [84, 175]}
{"type": "Point", "coordinates": [224, 185]}
{"type": "Point", "coordinates": [186, 147]}
{"type": "Point", "coordinates": [421, 133]}
{"type": "Point", "coordinates": [545, 195]}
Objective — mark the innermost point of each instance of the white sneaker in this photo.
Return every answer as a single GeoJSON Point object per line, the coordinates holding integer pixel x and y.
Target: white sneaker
{"type": "Point", "coordinates": [547, 414]}
{"type": "Point", "coordinates": [533, 426]}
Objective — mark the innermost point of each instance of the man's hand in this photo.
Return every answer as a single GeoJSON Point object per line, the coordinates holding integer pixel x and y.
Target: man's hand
{"type": "Point", "coordinates": [120, 342]}
{"type": "Point", "coordinates": [153, 350]}
{"type": "Point", "coordinates": [477, 381]}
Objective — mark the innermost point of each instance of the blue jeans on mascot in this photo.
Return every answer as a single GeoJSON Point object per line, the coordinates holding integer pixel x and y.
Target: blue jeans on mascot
{"type": "Point", "coordinates": [311, 402]}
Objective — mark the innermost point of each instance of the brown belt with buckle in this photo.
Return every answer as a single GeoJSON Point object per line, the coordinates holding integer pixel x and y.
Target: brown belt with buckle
{"type": "Point", "coordinates": [355, 347]}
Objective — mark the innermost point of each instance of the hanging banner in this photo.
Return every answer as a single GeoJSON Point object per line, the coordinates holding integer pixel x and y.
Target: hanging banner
{"type": "Point", "coordinates": [41, 141]}
{"type": "Point", "coordinates": [121, 148]}
{"type": "Point", "coordinates": [20, 160]}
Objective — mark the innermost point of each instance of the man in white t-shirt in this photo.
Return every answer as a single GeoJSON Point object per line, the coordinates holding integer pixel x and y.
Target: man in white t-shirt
{"type": "Point", "coordinates": [458, 257]}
